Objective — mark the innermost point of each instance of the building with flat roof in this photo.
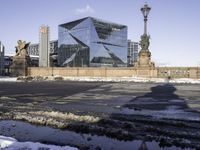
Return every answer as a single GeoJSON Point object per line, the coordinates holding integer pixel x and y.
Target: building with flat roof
{"type": "Point", "coordinates": [33, 49]}
{"type": "Point", "coordinates": [92, 42]}
{"type": "Point", "coordinates": [135, 51]}
{"type": "Point", "coordinates": [2, 53]}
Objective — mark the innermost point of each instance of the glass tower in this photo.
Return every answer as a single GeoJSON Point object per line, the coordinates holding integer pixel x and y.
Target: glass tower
{"type": "Point", "coordinates": [92, 42]}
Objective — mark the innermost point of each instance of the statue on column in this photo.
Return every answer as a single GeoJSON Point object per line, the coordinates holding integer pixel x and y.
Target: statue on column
{"type": "Point", "coordinates": [144, 56]}
{"type": "Point", "coordinates": [21, 60]}
{"type": "Point", "coordinates": [21, 48]}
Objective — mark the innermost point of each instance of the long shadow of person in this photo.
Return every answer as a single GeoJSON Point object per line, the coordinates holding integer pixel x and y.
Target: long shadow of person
{"type": "Point", "coordinates": [161, 97]}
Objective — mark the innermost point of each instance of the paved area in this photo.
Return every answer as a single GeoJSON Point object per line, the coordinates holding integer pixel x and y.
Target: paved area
{"type": "Point", "coordinates": [166, 113]}
{"type": "Point", "coordinates": [108, 98]}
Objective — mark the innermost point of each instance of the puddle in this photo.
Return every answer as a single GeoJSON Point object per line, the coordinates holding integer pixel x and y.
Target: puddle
{"type": "Point", "coordinates": [27, 132]}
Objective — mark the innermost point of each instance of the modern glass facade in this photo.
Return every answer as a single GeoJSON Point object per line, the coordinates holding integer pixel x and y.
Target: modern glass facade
{"type": "Point", "coordinates": [130, 54]}
{"type": "Point", "coordinates": [92, 42]}
{"type": "Point", "coordinates": [133, 48]}
{"type": "Point", "coordinates": [135, 51]}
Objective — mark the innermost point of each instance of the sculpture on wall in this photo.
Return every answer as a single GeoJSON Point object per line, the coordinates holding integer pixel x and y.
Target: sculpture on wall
{"type": "Point", "coordinates": [21, 49]}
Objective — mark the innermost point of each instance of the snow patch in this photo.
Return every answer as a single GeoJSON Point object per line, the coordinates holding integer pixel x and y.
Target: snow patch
{"type": "Point", "coordinates": [7, 98]}
{"type": "Point", "coordinates": [8, 79]}
{"type": "Point", "coordinates": [55, 119]}
{"type": "Point", "coordinates": [132, 79]}
{"type": "Point", "coordinates": [102, 79]}
{"type": "Point", "coordinates": [8, 143]}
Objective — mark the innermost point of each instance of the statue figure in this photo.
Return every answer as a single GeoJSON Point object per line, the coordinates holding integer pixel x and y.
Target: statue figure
{"type": "Point", "coordinates": [21, 49]}
{"type": "Point", "coordinates": [144, 43]}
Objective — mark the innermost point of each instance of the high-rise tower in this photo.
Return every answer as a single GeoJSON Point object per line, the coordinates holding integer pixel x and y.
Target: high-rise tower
{"type": "Point", "coordinates": [44, 47]}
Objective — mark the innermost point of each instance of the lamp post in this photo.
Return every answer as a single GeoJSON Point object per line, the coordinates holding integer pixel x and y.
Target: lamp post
{"type": "Point", "coordinates": [145, 11]}
{"type": "Point", "coordinates": [144, 54]}
{"type": "Point", "coordinates": [144, 43]}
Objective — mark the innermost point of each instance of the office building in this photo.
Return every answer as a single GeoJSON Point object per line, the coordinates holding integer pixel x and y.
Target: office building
{"type": "Point", "coordinates": [33, 49]}
{"type": "Point", "coordinates": [135, 51]}
{"type": "Point", "coordinates": [92, 42]}
{"type": "Point", "coordinates": [130, 54]}
{"type": "Point", "coordinates": [7, 64]}
{"type": "Point", "coordinates": [44, 51]}
{"type": "Point", "coordinates": [133, 48]}
{"type": "Point", "coordinates": [2, 53]}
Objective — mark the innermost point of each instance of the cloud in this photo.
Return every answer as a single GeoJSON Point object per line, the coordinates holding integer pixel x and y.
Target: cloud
{"type": "Point", "coordinates": [86, 10]}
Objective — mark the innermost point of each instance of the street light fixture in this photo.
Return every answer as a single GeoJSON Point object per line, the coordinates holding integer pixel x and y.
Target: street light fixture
{"type": "Point", "coordinates": [145, 11]}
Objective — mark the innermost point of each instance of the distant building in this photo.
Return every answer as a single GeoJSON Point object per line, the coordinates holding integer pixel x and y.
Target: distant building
{"type": "Point", "coordinates": [44, 47]}
{"type": "Point", "coordinates": [92, 42]}
{"type": "Point", "coordinates": [132, 56]}
{"type": "Point", "coordinates": [33, 49]}
{"type": "Point", "coordinates": [2, 53]}
{"type": "Point", "coordinates": [7, 64]}
{"type": "Point", "coordinates": [135, 51]}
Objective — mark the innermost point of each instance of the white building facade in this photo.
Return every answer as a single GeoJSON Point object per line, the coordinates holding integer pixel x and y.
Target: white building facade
{"type": "Point", "coordinates": [44, 47]}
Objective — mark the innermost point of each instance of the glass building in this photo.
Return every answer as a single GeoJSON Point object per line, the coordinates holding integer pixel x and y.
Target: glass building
{"type": "Point", "coordinates": [92, 42]}
{"type": "Point", "coordinates": [135, 51]}
{"type": "Point", "coordinates": [133, 48]}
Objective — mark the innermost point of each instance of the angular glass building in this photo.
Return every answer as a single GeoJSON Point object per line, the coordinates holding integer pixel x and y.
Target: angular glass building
{"type": "Point", "coordinates": [92, 42]}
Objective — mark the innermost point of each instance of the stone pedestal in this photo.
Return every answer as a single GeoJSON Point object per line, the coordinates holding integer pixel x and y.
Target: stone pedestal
{"type": "Point", "coordinates": [144, 60]}
{"type": "Point", "coordinates": [20, 66]}
{"type": "Point", "coordinates": [144, 67]}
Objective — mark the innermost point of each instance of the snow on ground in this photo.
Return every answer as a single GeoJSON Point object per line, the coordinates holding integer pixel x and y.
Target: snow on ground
{"type": "Point", "coordinates": [132, 79]}
{"type": "Point", "coordinates": [8, 79]}
{"type": "Point", "coordinates": [107, 79]}
{"type": "Point", "coordinates": [8, 143]}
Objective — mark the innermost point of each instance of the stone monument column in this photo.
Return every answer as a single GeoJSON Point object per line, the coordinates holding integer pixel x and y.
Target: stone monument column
{"type": "Point", "coordinates": [21, 60]}
{"type": "Point", "coordinates": [144, 59]}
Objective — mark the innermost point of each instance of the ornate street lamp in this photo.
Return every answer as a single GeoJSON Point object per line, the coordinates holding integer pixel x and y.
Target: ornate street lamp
{"type": "Point", "coordinates": [145, 11]}
{"type": "Point", "coordinates": [144, 43]}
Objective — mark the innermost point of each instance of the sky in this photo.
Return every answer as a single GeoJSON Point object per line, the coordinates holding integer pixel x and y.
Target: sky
{"type": "Point", "coordinates": [174, 25]}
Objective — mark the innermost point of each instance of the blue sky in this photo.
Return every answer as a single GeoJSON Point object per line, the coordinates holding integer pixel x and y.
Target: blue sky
{"type": "Point", "coordinates": [174, 25]}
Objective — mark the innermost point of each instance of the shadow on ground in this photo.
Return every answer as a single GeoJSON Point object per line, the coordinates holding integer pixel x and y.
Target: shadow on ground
{"type": "Point", "coordinates": [161, 97]}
